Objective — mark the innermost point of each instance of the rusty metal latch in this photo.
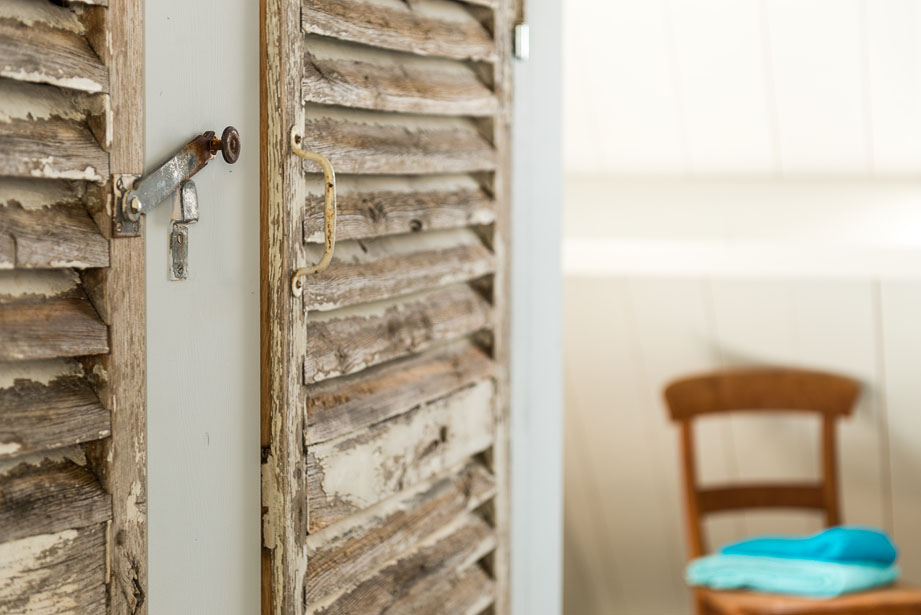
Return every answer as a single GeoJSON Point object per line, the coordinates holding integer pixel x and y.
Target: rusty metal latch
{"type": "Point", "coordinates": [329, 214]}
{"type": "Point", "coordinates": [136, 197]}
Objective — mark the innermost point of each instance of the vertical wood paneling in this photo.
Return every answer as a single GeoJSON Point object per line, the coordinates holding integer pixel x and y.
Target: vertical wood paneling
{"type": "Point", "coordinates": [755, 325]}
{"type": "Point", "coordinates": [612, 415]}
{"type": "Point", "coordinates": [836, 331]}
{"type": "Point", "coordinates": [672, 328]}
{"type": "Point", "coordinates": [901, 341]}
{"type": "Point", "coordinates": [816, 58]}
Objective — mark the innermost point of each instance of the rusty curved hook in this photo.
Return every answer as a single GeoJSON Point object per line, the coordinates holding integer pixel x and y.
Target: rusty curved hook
{"type": "Point", "coordinates": [329, 214]}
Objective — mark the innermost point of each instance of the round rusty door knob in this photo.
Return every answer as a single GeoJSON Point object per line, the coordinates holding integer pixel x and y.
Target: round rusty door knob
{"type": "Point", "coordinates": [229, 144]}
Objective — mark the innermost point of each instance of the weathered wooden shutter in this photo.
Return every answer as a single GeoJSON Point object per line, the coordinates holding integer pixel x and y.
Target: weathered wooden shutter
{"type": "Point", "coordinates": [72, 420]}
{"type": "Point", "coordinates": [385, 397]}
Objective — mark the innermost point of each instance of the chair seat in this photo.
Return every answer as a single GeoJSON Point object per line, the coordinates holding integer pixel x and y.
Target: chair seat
{"type": "Point", "coordinates": [898, 599]}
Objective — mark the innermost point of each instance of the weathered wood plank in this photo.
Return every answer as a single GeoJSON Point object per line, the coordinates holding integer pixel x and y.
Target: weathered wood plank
{"type": "Point", "coordinates": [39, 416]}
{"type": "Point", "coordinates": [379, 143]}
{"type": "Point", "coordinates": [420, 580]}
{"type": "Point", "coordinates": [44, 133]}
{"type": "Point", "coordinates": [46, 225]}
{"type": "Point", "coordinates": [348, 341]}
{"type": "Point", "coordinates": [363, 271]}
{"type": "Point", "coordinates": [346, 553]}
{"type": "Point", "coordinates": [55, 574]}
{"type": "Point", "coordinates": [430, 27]}
{"type": "Point", "coordinates": [62, 236]}
{"type": "Point", "coordinates": [378, 206]}
{"type": "Point", "coordinates": [352, 473]}
{"type": "Point", "coordinates": [42, 47]}
{"type": "Point", "coordinates": [51, 148]}
{"type": "Point", "coordinates": [336, 408]}
{"type": "Point", "coordinates": [352, 76]}
{"type": "Point", "coordinates": [121, 460]}
{"type": "Point", "coordinates": [44, 315]}
{"type": "Point", "coordinates": [469, 593]}
{"type": "Point", "coordinates": [53, 496]}
{"type": "Point", "coordinates": [283, 322]}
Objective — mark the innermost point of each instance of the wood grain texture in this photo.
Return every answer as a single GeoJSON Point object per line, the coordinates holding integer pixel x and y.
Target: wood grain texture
{"type": "Point", "coordinates": [433, 28]}
{"type": "Point", "coordinates": [397, 454]}
{"type": "Point", "coordinates": [364, 271]}
{"type": "Point", "coordinates": [715, 499]}
{"type": "Point", "coordinates": [768, 389]}
{"type": "Point", "coordinates": [33, 50]}
{"type": "Point", "coordinates": [374, 207]}
{"type": "Point", "coordinates": [283, 319]}
{"type": "Point", "coordinates": [121, 460]}
{"type": "Point", "coordinates": [50, 497]}
{"type": "Point", "coordinates": [896, 600]}
{"type": "Point", "coordinates": [377, 143]}
{"type": "Point", "coordinates": [338, 407]}
{"type": "Point", "coordinates": [36, 416]}
{"type": "Point", "coordinates": [354, 77]}
{"type": "Point", "coordinates": [60, 236]}
{"type": "Point", "coordinates": [349, 552]}
{"type": "Point", "coordinates": [55, 574]}
{"type": "Point", "coordinates": [499, 455]}
{"type": "Point", "coordinates": [348, 341]}
{"type": "Point", "coordinates": [37, 327]}
{"type": "Point", "coordinates": [52, 148]}
{"type": "Point", "coordinates": [421, 580]}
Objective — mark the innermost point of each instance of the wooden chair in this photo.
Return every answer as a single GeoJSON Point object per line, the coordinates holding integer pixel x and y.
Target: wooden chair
{"type": "Point", "coordinates": [830, 397]}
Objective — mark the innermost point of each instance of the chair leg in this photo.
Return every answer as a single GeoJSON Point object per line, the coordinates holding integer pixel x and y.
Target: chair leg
{"type": "Point", "coordinates": [701, 607]}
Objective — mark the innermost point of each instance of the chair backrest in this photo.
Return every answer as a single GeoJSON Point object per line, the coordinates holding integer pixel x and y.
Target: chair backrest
{"type": "Point", "coordinates": [830, 396]}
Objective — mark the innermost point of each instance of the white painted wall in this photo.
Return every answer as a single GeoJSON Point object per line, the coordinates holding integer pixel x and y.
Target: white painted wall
{"type": "Point", "coordinates": [203, 334]}
{"type": "Point", "coordinates": [741, 188]}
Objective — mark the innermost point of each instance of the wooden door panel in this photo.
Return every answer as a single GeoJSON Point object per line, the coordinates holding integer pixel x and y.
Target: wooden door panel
{"type": "Point", "coordinates": [385, 397]}
{"type": "Point", "coordinates": [72, 416]}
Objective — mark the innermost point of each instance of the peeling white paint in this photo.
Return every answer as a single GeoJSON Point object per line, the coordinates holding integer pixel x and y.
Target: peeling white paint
{"type": "Point", "coordinates": [74, 454]}
{"type": "Point", "coordinates": [74, 83]}
{"type": "Point", "coordinates": [24, 101]}
{"type": "Point", "coordinates": [362, 470]}
{"type": "Point", "coordinates": [31, 13]}
{"type": "Point", "coordinates": [88, 174]}
{"type": "Point", "coordinates": [39, 283]}
{"type": "Point", "coordinates": [42, 372]}
{"type": "Point", "coordinates": [32, 194]}
{"type": "Point", "coordinates": [8, 448]}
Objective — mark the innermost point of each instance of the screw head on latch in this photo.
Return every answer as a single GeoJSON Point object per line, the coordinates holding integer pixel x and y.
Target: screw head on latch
{"type": "Point", "coordinates": [229, 145]}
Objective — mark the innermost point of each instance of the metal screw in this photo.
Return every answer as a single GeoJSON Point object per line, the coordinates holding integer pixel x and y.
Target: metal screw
{"type": "Point", "coordinates": [179, 241]}
{"type": "Point", "coordinates": [135, 204]}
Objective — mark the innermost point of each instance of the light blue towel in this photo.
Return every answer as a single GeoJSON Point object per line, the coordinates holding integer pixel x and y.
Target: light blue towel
{"type": "Point", "coordinates": [784, 575]}
{"type": "Point", "coordinates": [845, 544]}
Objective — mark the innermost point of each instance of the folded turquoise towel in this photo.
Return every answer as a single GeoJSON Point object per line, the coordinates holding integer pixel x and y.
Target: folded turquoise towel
{"type": "Point", "coordinates": [838, 544]}
{"type": "Point", "coordinates": [783, 575]}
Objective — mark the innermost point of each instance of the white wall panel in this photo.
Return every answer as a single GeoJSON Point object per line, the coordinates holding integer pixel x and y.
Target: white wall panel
{"type": "Point", "coordinates": [901, 330]}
